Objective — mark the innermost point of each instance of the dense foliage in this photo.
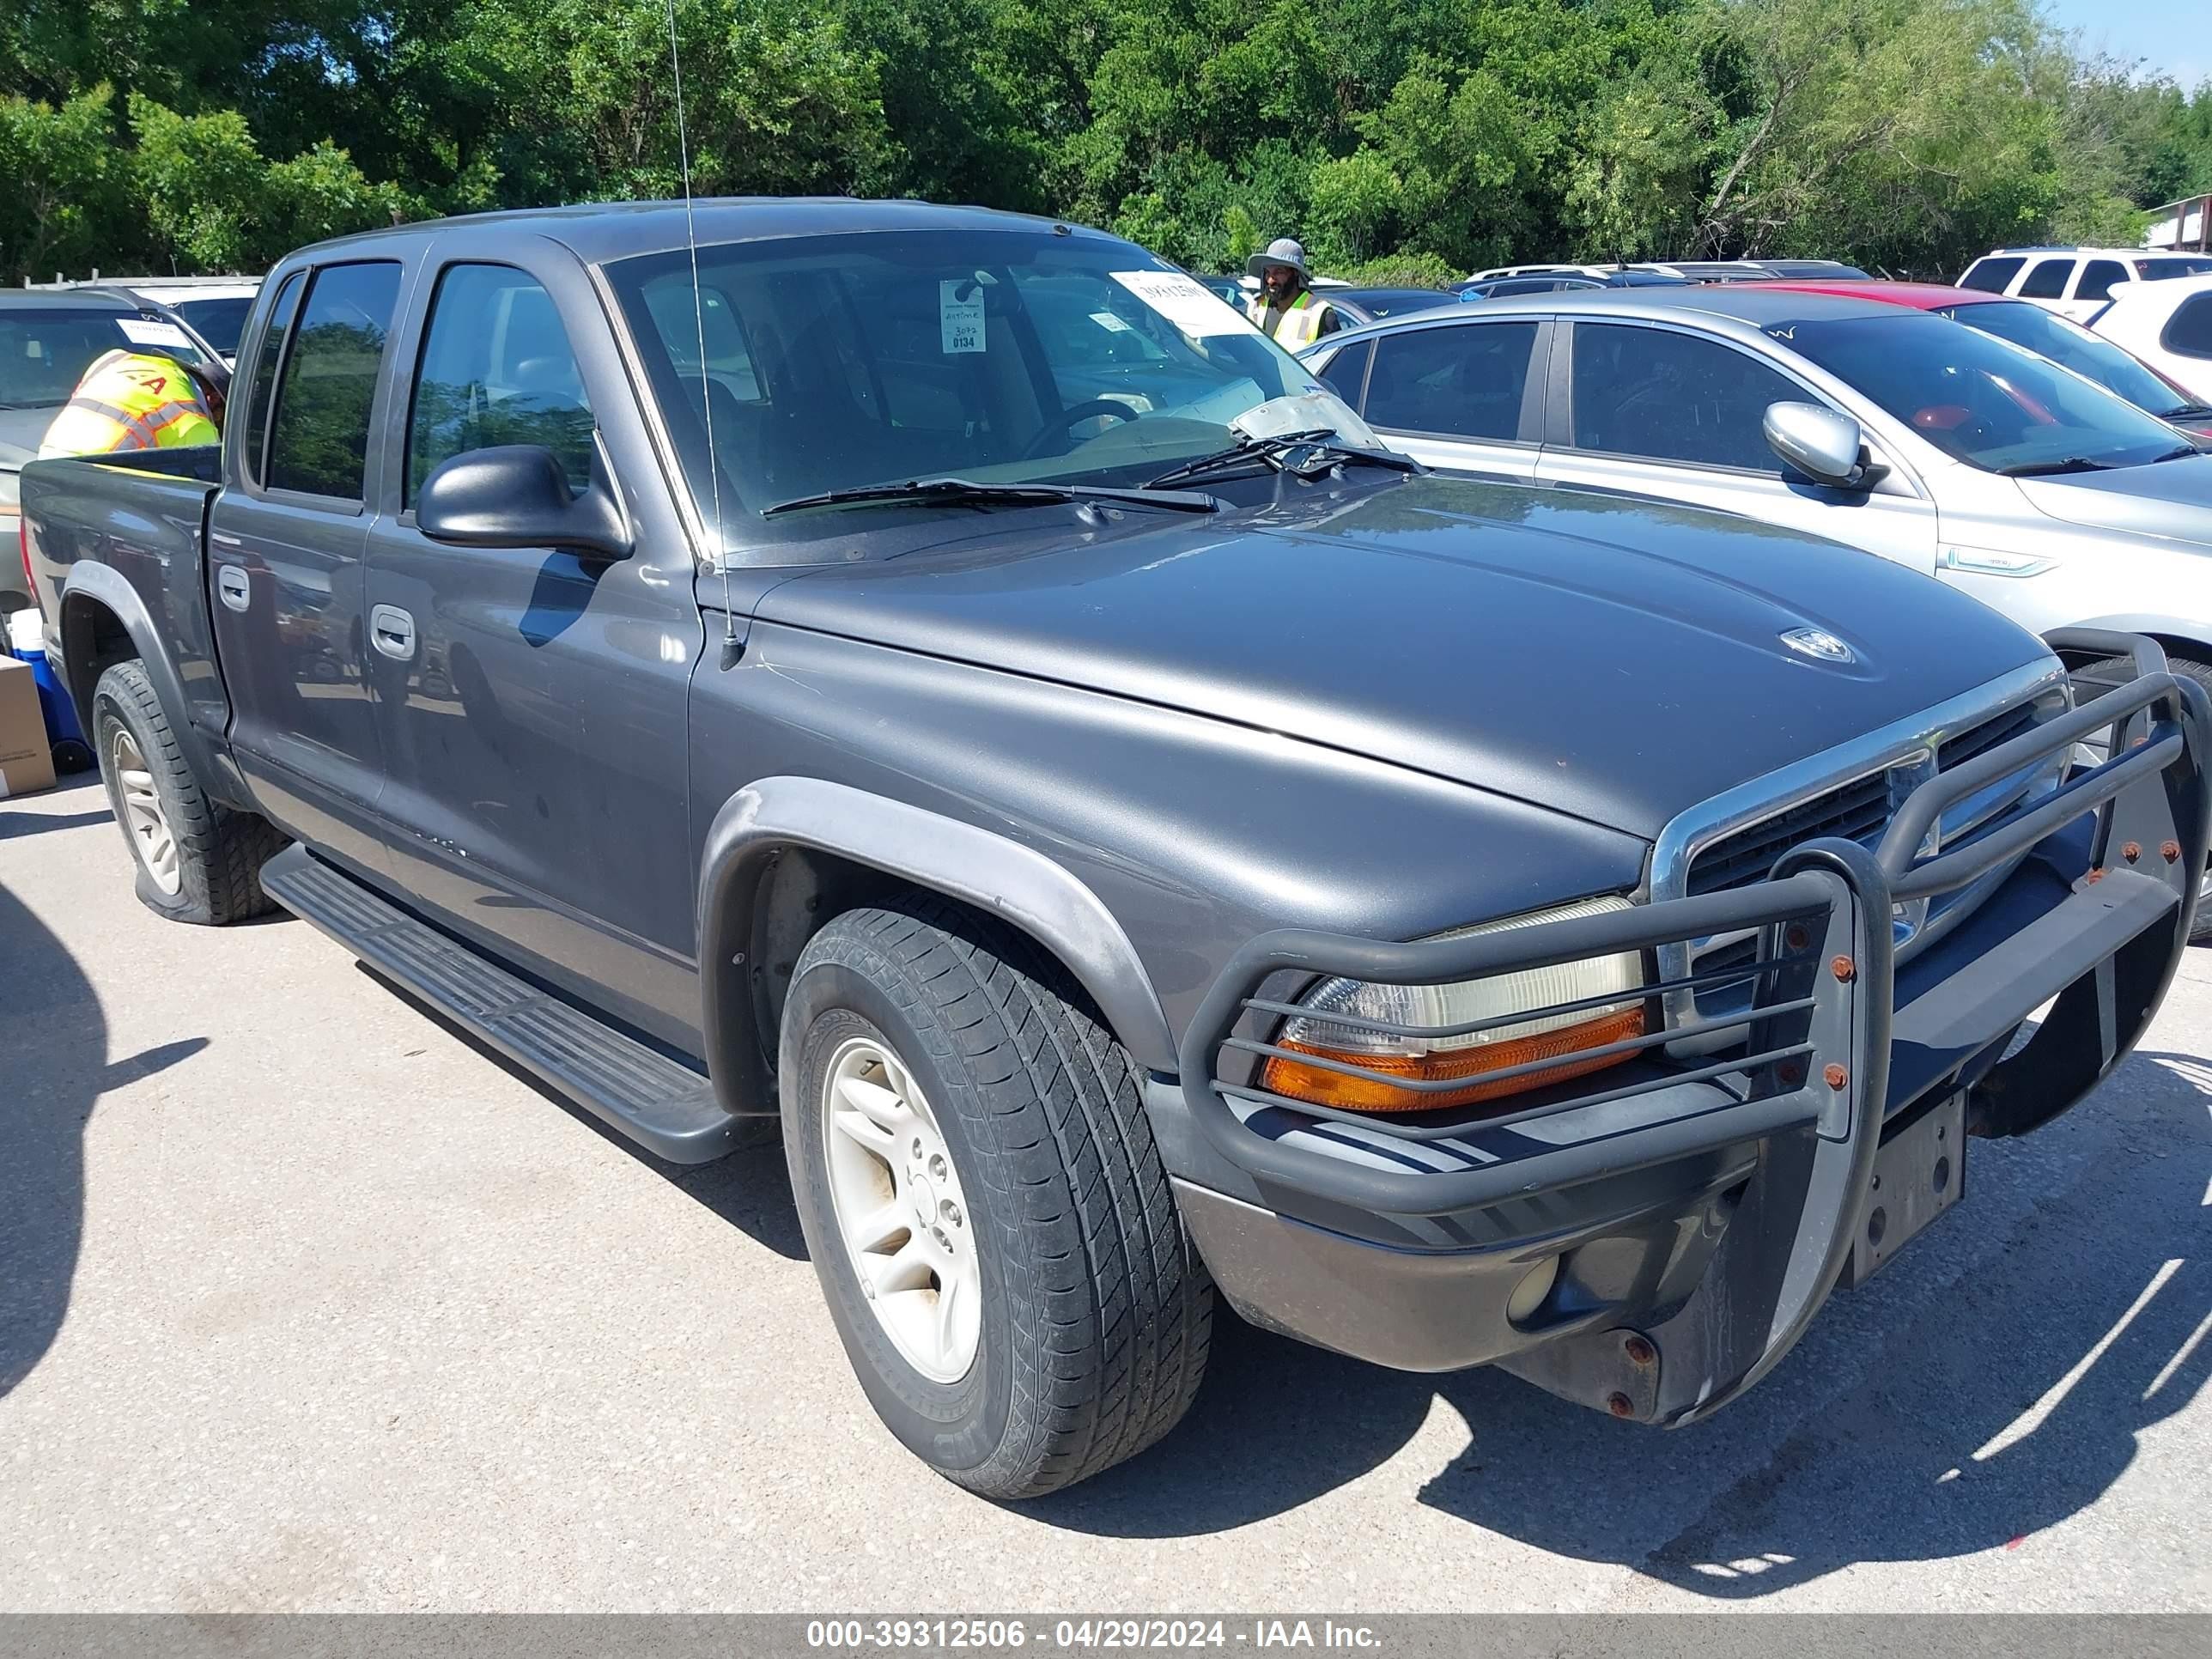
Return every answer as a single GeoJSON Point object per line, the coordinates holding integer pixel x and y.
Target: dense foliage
{"type": "Point", "coordinates": [1419, 138]}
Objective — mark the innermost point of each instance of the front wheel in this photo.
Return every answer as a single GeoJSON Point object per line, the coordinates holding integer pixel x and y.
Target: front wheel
{"type": "Point", "coordinates": [989, 1216]}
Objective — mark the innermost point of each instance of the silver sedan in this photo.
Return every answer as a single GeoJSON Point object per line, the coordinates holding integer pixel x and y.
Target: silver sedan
{"type": "Point", "coordinates": [1897, 431]}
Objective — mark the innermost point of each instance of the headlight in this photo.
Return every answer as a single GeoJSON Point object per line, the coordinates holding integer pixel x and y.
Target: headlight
{"type": "Point", "coordinates": [1474, 1055]}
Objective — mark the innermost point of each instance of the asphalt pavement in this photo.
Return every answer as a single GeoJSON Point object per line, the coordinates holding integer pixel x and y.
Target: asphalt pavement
{"type": "Point", "coordinates": [306, 1303]}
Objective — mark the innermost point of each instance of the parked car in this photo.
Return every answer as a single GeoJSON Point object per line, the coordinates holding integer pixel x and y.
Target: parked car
{"type": "Point", "coordinates": [1950, 450]}
{"type": "Point", "coordinates": [1127, 854]}
{"type": "Point", "coordinates": [47, 340]}
{"type": "Point", "coordinates": [2048, 334]}
{"type": "Point", "coordinates": [1831, 270]}
{"type": "Point", "coordinates": [2075, 281]}
{"type": "Point", "coordinates": [1368, 305]}
{"type": "Point", "coordinates": [2167, 324]}
{"type": "Point", "coordinates": [216, 308]}
{"type": "Point", "coordinates": [1561, 282]}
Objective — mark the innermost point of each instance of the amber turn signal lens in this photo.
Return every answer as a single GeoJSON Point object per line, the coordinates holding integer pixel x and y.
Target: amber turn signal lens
{"type": "Point", "coordinates": [1295, 1080]}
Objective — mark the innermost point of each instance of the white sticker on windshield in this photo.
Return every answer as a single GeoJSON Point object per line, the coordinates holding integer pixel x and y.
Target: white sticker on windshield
{"type": "Point", "coordinates": [1109, 322]}
{"type": "Point", "coordinates": [1180, 300]}
{"type": "Point", "coordinates": [960, 320]}
{"type": "Point", "coordinates": [140, 332]}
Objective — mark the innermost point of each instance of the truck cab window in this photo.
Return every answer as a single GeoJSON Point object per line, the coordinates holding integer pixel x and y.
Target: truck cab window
{"type": "Point", "coordinates": [318, 438]}
{"type": "Point", "coordinates": [496, 368]}
{"type": "Point", "coordinates": [256, 413]}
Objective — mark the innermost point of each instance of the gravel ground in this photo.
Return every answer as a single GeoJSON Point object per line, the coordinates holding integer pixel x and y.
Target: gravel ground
{"type": "Point", "coordinates": [308, 1303]}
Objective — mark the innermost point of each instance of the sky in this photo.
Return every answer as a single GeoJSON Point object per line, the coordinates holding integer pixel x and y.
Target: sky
{"type": "Point", "coordinates": [2173, 36]}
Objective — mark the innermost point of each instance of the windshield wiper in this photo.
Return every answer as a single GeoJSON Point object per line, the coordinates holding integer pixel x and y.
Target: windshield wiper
{"type": "Point", "coordinates": [1275, 451]}
{"type": "Point", "coordinates": [2071, 464]}
{"type": "Point", "coordinates": [2179, 452]}
{"type": "Point", "coordinates": [969, 492]}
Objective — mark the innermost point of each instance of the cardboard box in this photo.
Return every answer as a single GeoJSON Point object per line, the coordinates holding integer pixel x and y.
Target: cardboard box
{"type": "Point", "coordinates": [26, 761]}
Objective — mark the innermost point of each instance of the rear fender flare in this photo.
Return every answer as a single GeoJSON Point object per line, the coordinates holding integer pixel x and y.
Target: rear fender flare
{"type": "Point", "coordinates": [978, 867]}
{"type": "Point", "coordinates": [89, 587]}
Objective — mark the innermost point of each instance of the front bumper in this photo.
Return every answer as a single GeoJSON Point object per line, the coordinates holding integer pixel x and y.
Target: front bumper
{"type": "Point", "coordinates": [1685, 1213]}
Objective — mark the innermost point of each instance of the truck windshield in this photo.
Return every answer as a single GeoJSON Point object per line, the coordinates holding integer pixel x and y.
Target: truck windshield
{"type": "Point", "coordinates": [838, 363]}
{"type": "Point", "coordinates": [1979, 399]}
{"type": "Point", "coordinates": [2072, 346]}
{"type": "Point", "coordinates": [45, 350]}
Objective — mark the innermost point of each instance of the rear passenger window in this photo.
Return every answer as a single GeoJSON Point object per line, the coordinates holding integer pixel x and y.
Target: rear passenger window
{"type": "Point", "coordinates": [1990, 276]}
{"type": "Point", "coordinates": [2048, 280]}
{"type": "Point", "coordinates": [1348, 372]}
{"type": "Point", "coordinates": [1464, 382]}
{"type": "Point", "coordinates": [2188, 332]}
{"type": "Point", "coordinates": [319, 440]}
{"type": "Point", "coordinates": [256, 414]}
{"type": "Point", "coordinates": [496, 368]}
{"type": "Point", "coordinates": [1673, 396]}
{"type": "Point", "coordinates": [2098, 277]}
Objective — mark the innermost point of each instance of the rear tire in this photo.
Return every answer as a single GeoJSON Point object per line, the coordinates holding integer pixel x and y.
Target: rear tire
{"type": "Point", "coordinates": [1094, 1312]}
{"type": "Point", "coordinates": [197, 860]}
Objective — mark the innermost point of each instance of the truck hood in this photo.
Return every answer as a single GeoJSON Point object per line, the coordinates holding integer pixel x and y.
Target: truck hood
{"type": "Point", "coordinates": [1608, 658]}
{"type": "Point", "coordinates": [2172, 499]}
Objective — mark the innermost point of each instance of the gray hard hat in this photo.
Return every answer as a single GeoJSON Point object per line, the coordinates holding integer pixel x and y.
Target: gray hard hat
{"type": "Point", "coordinates": [1283, 250]}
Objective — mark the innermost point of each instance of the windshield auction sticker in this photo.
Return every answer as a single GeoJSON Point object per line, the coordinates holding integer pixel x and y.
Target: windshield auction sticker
{"type": "Point", "coordinates": [1182, 302]}
{"type": "Point", "coordinates": [142, 332]}
{"type": "Point", "coordinates": [960, 315]}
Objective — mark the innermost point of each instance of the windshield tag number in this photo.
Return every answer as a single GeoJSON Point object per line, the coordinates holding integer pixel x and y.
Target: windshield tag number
{"type": "Point", "coordinates": [960, 320]}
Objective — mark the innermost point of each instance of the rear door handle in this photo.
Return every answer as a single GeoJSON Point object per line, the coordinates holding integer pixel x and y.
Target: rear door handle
{"type": "Point", "coordinates": [393, 631]}
{"type": "Point", "coordinates": [235, 586]}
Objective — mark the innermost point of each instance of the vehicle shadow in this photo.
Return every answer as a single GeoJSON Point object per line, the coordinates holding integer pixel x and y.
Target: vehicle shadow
{"type": "Point", "coordinates": [1989, 1384]}
{"type": "Point", "coordinates": [15, 825]}
{"type": "Point", "coordinates": [750, 1189]}
{"type": "Point", "coordinates": [53, 1070]}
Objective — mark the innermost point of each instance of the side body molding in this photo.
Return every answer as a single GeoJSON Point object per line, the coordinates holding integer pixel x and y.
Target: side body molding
{"type": "Point", "coordinates": [986, 870]}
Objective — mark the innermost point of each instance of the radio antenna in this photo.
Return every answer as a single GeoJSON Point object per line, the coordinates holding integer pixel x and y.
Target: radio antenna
{"type": "Point", "coordinates": [699, 324]}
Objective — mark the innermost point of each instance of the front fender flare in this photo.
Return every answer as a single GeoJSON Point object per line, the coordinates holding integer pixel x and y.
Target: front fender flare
{"type": "Point", "coordinates": [988, 870]}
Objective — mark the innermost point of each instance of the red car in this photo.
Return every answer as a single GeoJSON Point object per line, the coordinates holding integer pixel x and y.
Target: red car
{"type": "Point", "coordinates": [2046, 333]}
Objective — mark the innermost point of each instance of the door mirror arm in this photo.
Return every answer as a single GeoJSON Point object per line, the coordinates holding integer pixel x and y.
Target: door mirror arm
{"type": "Point", "coordinates": [518, 496]}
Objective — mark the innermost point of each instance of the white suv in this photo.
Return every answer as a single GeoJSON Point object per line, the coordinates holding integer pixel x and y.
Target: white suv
{"type": "Point", "coordinates": [2073, 281]}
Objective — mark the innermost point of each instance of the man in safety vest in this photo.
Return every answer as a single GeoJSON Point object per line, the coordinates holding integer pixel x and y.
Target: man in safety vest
{"type": "Point", "coordinates": [135, 400]}
{"type": "Point", "coordinates": [1286, 309]}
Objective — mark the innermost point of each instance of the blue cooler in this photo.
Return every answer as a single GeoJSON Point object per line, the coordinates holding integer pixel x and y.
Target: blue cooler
{"type": "Point", "coordinates": [71, 752]}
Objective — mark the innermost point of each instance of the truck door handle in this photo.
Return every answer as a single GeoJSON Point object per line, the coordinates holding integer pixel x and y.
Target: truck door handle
{"type": "Point", "coordinates": [393, 630]}
{"type": "Point", "coordinates": [236, 588]}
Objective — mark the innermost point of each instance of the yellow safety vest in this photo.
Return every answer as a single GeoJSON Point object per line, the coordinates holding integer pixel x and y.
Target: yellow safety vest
{"type": "Point", "coordinates": [132, 400]}
{"type": "Point", "coordinates": [1301, 323]}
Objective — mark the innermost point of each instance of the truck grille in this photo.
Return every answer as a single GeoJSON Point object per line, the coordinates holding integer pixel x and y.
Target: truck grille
{"type": "Point", "coordinates": [1858, 811]}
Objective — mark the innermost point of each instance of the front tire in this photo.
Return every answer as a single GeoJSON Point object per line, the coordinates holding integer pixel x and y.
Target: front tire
{"type": "Point", "coordinates": [958, 1123]}
{"type": "Point", "coordinates": [197, 860]}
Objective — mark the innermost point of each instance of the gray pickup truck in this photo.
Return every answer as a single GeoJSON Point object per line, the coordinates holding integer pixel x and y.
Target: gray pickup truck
{"type": "Point", "coordinates": [942, 684]}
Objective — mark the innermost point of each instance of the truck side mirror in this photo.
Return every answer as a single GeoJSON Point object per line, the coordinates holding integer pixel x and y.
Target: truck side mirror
{"type": "Point", "coordinates": [1822, 445]}
{"type": "Point", "coordinates": [518, 496]}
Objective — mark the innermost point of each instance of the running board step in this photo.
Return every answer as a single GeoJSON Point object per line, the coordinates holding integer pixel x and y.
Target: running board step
{"type": "Point", "coordinates": [665, 1106]}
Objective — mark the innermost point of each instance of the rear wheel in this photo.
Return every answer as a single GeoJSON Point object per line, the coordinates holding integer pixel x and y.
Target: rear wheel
{"type": "Point", "coordinates": [197, 860]}
{"type": "Point", "coordinates": [990, 1220]}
